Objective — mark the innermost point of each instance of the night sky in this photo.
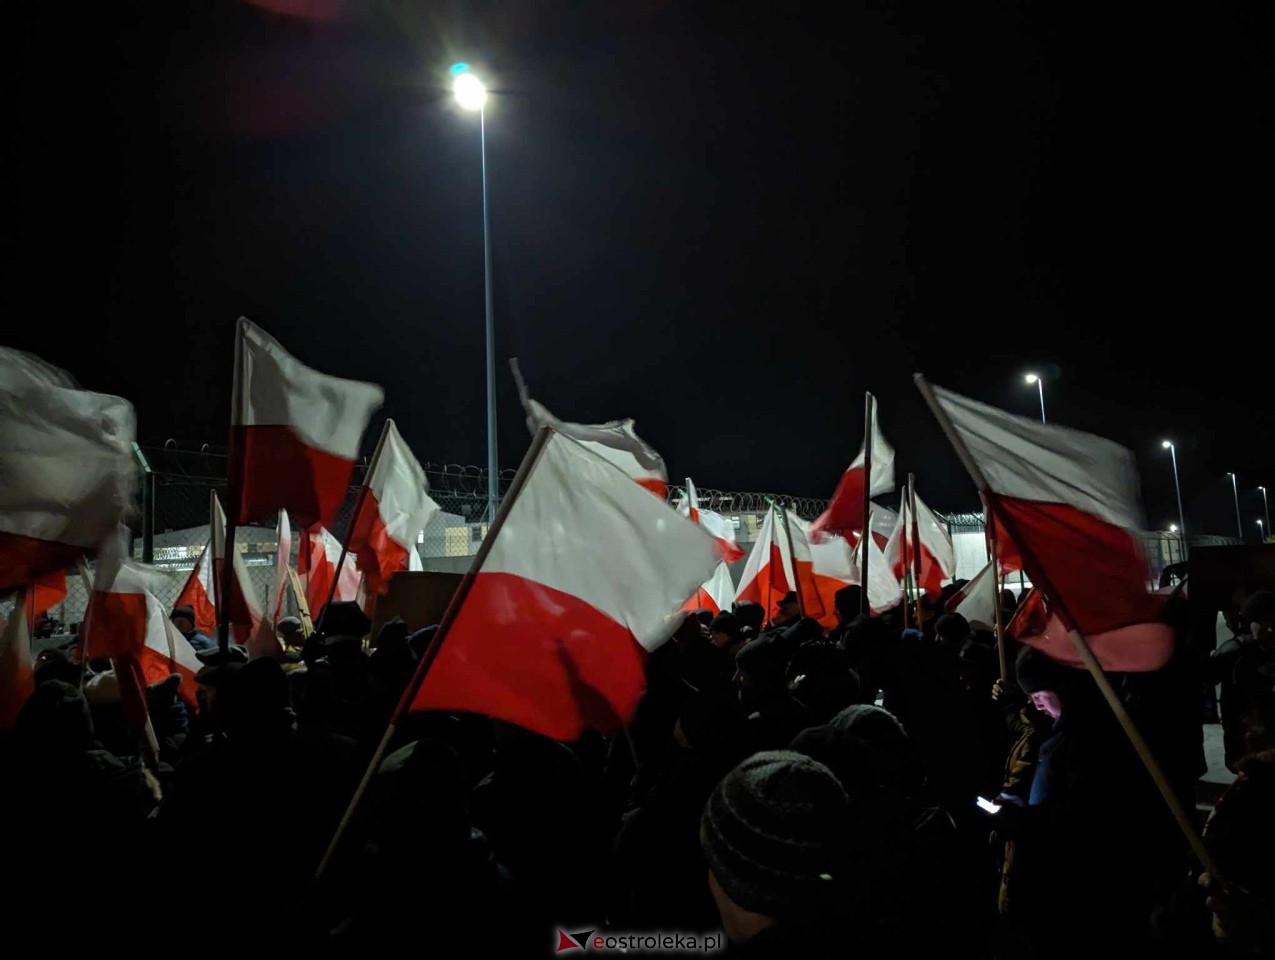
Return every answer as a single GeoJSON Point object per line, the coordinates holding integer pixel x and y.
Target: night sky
{"type": "Point", "coordinates": [725, 220]}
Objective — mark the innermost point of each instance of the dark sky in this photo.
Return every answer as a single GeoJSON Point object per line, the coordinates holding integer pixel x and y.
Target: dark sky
{"type": "Point", "coordinates": [726, 220]}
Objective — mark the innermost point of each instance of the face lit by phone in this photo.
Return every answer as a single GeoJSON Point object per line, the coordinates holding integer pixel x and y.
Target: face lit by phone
{"type": "Point", "coordinates": [1047, 702]}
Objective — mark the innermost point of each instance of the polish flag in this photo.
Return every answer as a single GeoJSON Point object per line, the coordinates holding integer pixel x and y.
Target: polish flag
{"type": "Point", "coordinates": [47, 592]}
{"type": "Point", "coordinates": [976, 601]}
{"type": "Point", "coordinates": [204, 584]}
{"type": "Point", "coordinates": [17, 682]}
{"type": "Point", "coordinates": [316, 563]}
{"type": "Point", "coordinates": [585, 575]}
{"type": "Point", "coordinates": [394, 511]}
{"type": "Point", "coordinates": [66, 457]}
{"type": "Point", "coordinates": [715, 594]}
{"type": "Point", "coordinates": [773, 569]}
{"type": "Point", "coordinates": [845, 510]}
{"type": "Point", "coordinates": [294, 433]}
{"type": "Point", "coordinates": [264, 641]}
{"type": "Point", "coordinates": [126, 622]}
{"type": "Point", "coordinates": [884, 590]}
{"type": "Point", "coordinates": [831, 566]}
{"type": "Point", "coordinates": [922, 533]}
{"type": "Point", "coordinates": [1069, 502]}
{"type": "Point", "coordinates": [721, 528]}
{"type": "Point", "coordinates": [614, 441]}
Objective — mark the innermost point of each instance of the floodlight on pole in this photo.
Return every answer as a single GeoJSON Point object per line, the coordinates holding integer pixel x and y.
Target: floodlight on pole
{"type": "Point", "coordinates": [1173, 452]}
{"type": "Point", "coordinates": [1040, 387]}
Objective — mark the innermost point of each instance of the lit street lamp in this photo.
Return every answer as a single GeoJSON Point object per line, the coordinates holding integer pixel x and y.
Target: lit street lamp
{"type": "Point", "coordinates": [1235, 489]}
{"type": "Point", "coordinates": [1173, 452]}
{"type": "Point", "coordinates": [471, 94]}
{"type": "Point", "coordinates": [1261, 532]}
{"type": "Point", "coordinates": [1266, 507]}
{"type": "Point", "coordinates": [1173, 528]}
{"type": "Point", "coordinates": [1040, 386]}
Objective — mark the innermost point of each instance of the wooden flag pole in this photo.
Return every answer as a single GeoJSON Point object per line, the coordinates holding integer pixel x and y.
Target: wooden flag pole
{"type": "Point", "coordinates": [1185, 824]}
{"type": "Point", "coordinates": [868, 402]}
{"type": "Point", "coordinates": [916, 550]}
{"type": "Point", "coordinates": [529, 461]}
{"type": "Point", "coordinates": [359, 501]}
{"type": "Point", "coordinates": [303, 607]}
{"type": "Point", "coordinates": [989, 536]}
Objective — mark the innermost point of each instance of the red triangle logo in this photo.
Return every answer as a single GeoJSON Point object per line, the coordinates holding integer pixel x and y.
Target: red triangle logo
{"type": "Point", "coordinates": [566, 943]}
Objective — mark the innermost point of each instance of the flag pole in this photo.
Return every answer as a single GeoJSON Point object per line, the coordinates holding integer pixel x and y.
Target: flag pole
{"type": "Point", "coordinates": [234, 491]}
{"type": "Point", "coordinates": [989, 537]}
{"type": "Point", "coordinates": [868, 402]}
{"type": "Point", "coordinates": [907, 564]}
{"type": "Point", "coordinates": [354, 519]}
{"type": "Point", "coordinates": [916, 550]}
{"type": "Point", "coordinates": [529, 461]}
{"type": "Point", "coordinates": [1189, 831]}
{"type": "Point", "coordinates": [221, 584]}
{"type": "Point", "coordinates": [792, 558]}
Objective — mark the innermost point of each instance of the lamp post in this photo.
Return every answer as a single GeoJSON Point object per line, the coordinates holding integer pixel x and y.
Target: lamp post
{"type": "Point", "coordinates": [1235, 490]}
{"type": "Point", "coordinates": [1040, 387]}
{"type": "Point", "coordinates": [1266, 508]}
{"type": "Point", "coordinates": [471, 94]}
{"type": "Point", "coordinates": [1173, 452]}
{"type": "Point", "coordinates": [1261, 532]}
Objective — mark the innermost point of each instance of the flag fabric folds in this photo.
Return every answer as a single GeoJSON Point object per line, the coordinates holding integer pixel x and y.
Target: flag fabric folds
{"type": "Point", "coordinates": [203, 586]}
{"type": "Point", "coordinates": [716, 593]}
{"type": "Point", "coordinates": [393, 513]}
{"type": "Point", "coordinates": [884, 590]}
{"type": "Point", "coordinates": [294, 432]}
{"type": "Point", "coordinates": [66, 456]}
{"type": "Point", "coordinates": [781, 561]}
{"type": "Point", "coordinates": [845, 509]}
{"type": "Point", "coordinates": [584, 576]}
{"type": "Point", "coordinates": [920, 533]}
{"type": "Point", "coordinates": [17, 681]}
{"type": "Point", "coordinates": [720, 527]}
{"type": "Point", "coordinates": [1068, 501]}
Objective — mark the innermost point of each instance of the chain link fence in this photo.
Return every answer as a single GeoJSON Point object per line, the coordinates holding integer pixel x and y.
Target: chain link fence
{"type": "Point", "coordinates": [172, 526]}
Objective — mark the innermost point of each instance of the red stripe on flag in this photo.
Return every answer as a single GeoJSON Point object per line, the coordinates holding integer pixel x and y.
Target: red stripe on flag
{"type": "Point", "coordinates": [271, 468]}
{"type": "Point", "coordinates": [845, 509]}
{"type": "Point", "coordinates": [535, 656]}
{"type": "Point", "coordinates": [117, 625]}
{"type": "Point", "coordinates": [24, 560]}
{"type": "Point", "coordinates": [378, 555]}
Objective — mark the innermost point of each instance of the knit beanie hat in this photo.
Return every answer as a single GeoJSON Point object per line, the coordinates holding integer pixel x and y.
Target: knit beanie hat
{"type": "Point", "coordinates": [772, 833]}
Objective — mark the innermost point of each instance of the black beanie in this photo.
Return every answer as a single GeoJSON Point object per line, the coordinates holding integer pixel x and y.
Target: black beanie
{"type": "Point", "coordinates": [726, 623]}
{"type": "Point", "coordinates": [1036, 672]}
{"type": "Point", "coordinates": [763, 658]}
{"type": "Point", "coordinates": [952, 627]}
{"type": "Point", "coordinates": [750, 614]}
{"type": "Point", "coordinates": [772, 833]}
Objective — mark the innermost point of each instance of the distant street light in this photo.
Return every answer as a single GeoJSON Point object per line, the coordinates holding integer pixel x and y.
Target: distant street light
{"type": "Point", "coordinates": [1173, 528]}
{"type": "Point", "coordinates": [1261, 531]}
{"type": "Point", "coordinates": [1173, 452]}
{"type": "Point", "coordinates": [1235, 489]}
{"type": "Point", "coordinates": [471, 94]}
{"type": "Point", "coordinates": [1040, 386]}
{"type": "Point", "coordinates": [1267, 507]}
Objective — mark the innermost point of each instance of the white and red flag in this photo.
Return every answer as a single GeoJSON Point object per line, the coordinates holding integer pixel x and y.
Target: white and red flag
{"type": "Point", "coordinates": [716, 593]}
{"type": "Point", "coordinates": [203, 586]}
{"type": "Point", "coordinates": [1068, 501]}
{"type": "Point", "coordinates": [316, 564]}
{"type": "Point", "coordinates": [585, 574]}
{"type": "Point", "coordinates": [294, 432]}
{"type": "Point", "coordinates": [264, 641]}
{"type": "Point", "coordinates": [976, 600]}
{"type": "Point", "coordinates": [919, 534]}
{"type": "Point", "coordinates": [780, 562]}
{"type": "Point", "coordinates": [720, 527]}
{"type": "Point", "coordinates": [884, 590]}
{"type": "Point", "coordinates": [66, 459]}
{"type": "Point", "coordinates": [615, 441]}
{"type": "Point", "coordinates": [845, 510]}
{"type": "Point", "coordinates": [394, 512]}
{"type": "Point", "coordinates": [126, 622]}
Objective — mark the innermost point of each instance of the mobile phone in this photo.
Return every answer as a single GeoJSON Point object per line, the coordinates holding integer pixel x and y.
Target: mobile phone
{"type": "Point", "coordinates": [987, 805]}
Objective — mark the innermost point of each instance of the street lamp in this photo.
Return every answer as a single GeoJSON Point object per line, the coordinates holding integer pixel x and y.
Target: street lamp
{"type": "Point", "coordinates": [1173, 452]}
{"type": "Point", "coordinates": [1266, 507]}
{"type": "Point", "coordinates": [1261, 532]}
{"type": "Point", "coordinates": [1040, 387]}
{"type": "Point", "coordinates": [1173, 528]}
{"type": "Point", "coordinates": [1235, 489]}
{"type": "Point", "coordinates": [471, 94]}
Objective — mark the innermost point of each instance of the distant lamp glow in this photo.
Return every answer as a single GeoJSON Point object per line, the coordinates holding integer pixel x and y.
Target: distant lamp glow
{"type": "Point", "coordinates": [1173, 527]}
{"type": "Point", "coordinates": [1031, 378]}
{"type": "Point", "coordinates": [469, 90]}
{"type": "Point", "coordinates": [1166, 444]}
{"type": "Point", "coordinates": [458, 68]}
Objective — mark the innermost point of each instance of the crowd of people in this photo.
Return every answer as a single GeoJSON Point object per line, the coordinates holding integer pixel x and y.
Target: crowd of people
{"type": "Point", "coordinates": [809, 792]}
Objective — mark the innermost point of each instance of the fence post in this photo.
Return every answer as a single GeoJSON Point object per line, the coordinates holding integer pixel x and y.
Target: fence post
{"type": "Point", "coordinates": [148, 506]}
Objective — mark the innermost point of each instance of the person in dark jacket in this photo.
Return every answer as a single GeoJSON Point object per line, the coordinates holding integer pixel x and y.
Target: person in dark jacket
{"type": "Point", "coordinates": [183, 618]}
{"type": "Point", "coordinates": [774, 718]}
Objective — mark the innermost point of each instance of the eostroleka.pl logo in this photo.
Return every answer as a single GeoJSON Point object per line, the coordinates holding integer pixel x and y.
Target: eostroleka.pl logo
{"type": "Point", "coordinates": [601, 940]}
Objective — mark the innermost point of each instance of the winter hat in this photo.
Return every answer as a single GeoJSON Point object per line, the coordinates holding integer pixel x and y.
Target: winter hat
{"type": "Point", "coordinates": [1036, 672]}
{"type": "Point", "coordinates": [213, 657]}
{"type": "Point", "coordinates": [185, 610]}
{"type": "Point", "coordinates": [344, 618]}
{"type": "Point", "coordinates": [846, 601]}
{"type": "Point", "coordinates": [763, 658]}
{"type": "Point", "coordinates": [772, 832]}
{"type": "Point", "coordinates": [1259, 606]}
{"type": "Point", "coordinates": [726, 623]}
{"type": "Point", "coordinates": [751, 615]}
{"type": "Point", "coordinates": [952, 628]}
